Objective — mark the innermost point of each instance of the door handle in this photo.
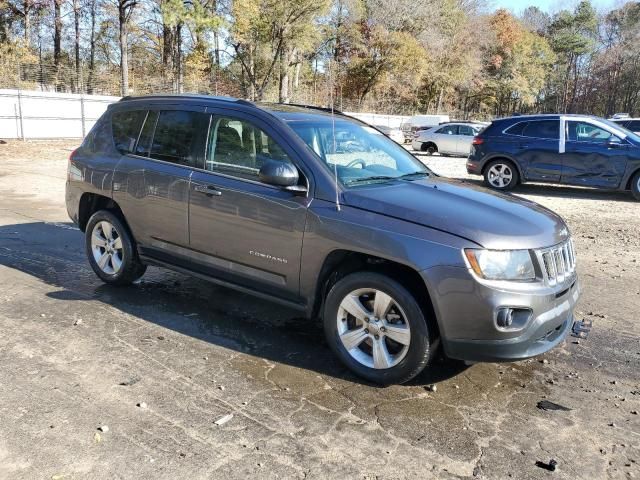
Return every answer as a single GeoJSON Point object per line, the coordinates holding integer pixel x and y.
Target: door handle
{"type": "Point", "coordinates": [208, 190]}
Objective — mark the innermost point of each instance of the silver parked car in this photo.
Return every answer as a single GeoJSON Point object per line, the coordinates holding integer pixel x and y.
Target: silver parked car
{"type": "Point", "coordinates": [448, 139]}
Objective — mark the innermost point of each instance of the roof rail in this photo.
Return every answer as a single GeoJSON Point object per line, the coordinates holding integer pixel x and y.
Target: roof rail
{"type": "Point", "coordinates": [313, 107]}
{"type": "Point", "coordinates": [183, 95]}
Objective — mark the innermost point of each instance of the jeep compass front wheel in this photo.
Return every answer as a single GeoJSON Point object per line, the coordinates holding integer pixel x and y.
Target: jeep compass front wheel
{"type": "Point", "coordinates": [377, 328]}
{"type": "Point", "coordinates": [111, 250]}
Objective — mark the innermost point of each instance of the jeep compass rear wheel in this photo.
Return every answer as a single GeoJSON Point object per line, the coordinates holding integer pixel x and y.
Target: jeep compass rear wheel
{"type": "Point", "coordinates": [501, 175]}
{"type": "Point", "coordinates": [111, 251]}
{"type": "Point", "coordinates": [377, 328]}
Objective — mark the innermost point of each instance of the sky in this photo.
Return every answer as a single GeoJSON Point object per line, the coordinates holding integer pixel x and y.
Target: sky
{"type": "Point", "coordinates": [552, 6]}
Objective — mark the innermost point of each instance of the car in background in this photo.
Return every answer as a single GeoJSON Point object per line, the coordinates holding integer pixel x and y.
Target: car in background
{"type": "Point", "coordinates": [421, 122]}
{"type": "Point", "coordinates": [569, 149]}
{"type": "Point", "coordinates": [452, 138]}
{"type": "Point", "coordinates": [620, 116]}
{"type": "Point", "coordinates": [394, 134]}
{"type": "Point", "coordinates": [632, 124]}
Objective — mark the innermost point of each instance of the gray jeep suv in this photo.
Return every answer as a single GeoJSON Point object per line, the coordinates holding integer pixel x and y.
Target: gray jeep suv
{"type": "Point", "coordinates": [323, 213]}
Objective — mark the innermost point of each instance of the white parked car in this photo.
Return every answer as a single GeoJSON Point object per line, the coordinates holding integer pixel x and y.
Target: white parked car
{"type": "Point", "coordinates": [620, 116]}
{"type": "Point", "coordinates": [632, 124]}
{"type": "Point", "coordinates": [421, 122]}
{"type": "Point", "coordinates": [449, 139]}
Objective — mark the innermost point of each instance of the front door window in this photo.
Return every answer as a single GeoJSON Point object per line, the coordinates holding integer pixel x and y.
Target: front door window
{"type": "Point", "coordinates": [587, 132]}
{"type": "Point", "coordinates": [236, 147]}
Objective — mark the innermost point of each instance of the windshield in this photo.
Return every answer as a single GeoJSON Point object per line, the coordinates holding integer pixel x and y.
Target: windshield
{"type": "Point", "coordinates": [617, 126]}
{"type": "Point", "coordinates": [358, 153]}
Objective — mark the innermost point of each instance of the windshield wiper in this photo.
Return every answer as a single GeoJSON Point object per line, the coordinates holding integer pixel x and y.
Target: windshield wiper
{"type": "Point", "coordinates": [414, 174]}
{"type": "Point", "coordinates": [366, 179]}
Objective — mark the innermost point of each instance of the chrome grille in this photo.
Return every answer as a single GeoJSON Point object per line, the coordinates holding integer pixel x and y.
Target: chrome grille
{"type": "Point", "coordinates": [558, 262]}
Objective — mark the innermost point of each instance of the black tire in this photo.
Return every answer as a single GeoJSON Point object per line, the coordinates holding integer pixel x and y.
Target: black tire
{"type": "Point", "coordinates": [131, 268]}
{"type": "Point", "coordinates": [429, 148]}
{"type": "Point", "coordinates": [635, 186]}
{"type": "Point", "coordinates": [419, 349]}
{"type": "Point", "coordinates": [497, 183]}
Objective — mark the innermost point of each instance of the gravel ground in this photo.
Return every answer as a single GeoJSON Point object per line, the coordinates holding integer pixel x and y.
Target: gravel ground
{"type": "Point", "coordinates": [176, 378]}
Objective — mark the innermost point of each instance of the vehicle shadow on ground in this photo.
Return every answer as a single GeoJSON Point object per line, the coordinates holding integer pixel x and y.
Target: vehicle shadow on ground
{"type": "Point", "coordinates": [54, 254]}
{"type": "Point", "coordinates": [563, 191]}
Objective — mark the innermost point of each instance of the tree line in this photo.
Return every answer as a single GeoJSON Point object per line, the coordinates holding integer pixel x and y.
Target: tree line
{"type": "Point", "coordinates": [396, 57]}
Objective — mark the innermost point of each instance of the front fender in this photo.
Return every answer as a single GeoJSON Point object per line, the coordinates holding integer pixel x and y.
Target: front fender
{"type": "Point", "coordinates": [359, 231]}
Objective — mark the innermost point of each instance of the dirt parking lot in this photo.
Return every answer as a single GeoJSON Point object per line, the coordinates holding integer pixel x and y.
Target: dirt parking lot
{"type": "Point", "coordinates": [103, 382]}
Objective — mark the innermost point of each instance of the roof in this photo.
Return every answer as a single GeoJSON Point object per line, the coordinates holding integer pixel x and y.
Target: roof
{"type": "Point", "coordinates": [285, 111]}
{"type": "Point", "coordinates": [542, 116]}
{"type": "Point", "coordinates": [461, 122]}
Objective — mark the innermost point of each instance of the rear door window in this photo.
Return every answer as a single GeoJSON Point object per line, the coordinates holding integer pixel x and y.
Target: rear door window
{"type": "Point", "coordinates": [174, 137]}
{"type": "Point", "coordinates": [449, 130]}
{"type": "Point", "coordinates": [466, 130]}
{"type": "Point", "coordinates": [126, 128]}
{"type": "Point", "coordinates": [547, 129]}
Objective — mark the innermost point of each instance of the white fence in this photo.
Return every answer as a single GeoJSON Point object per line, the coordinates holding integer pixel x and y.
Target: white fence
{"type": "Point", "coordinates": [32, 114]}
{"type": "Point", "coordinates": [28, 114]}
{"type": "Point", "coordinates": [392, 121]}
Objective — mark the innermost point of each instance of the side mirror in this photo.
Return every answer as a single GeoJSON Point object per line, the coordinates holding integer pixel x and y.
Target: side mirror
{"type": "Point", "coordinates": [281, 174]}
{"type": "Point", "coordinates": [613, 142]}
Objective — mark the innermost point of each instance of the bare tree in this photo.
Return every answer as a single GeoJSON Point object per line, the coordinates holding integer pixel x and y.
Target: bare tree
{"type": "Point", "coordinates": [76, 24]}
{"type": "Point", "coordinates": [125, 10]}
{"type": "Point", "coordinates": [57, 39]}
{"type": "Point", "coordinates": [93, 9]}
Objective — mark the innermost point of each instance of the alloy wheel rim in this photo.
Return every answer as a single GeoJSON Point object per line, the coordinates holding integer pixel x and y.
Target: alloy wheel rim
{"type": "Point", "coordinates": [500, 175]}
{"type": "Point", "coordinates": [373, 328]}
{"type": "Point", "coordinates": [106, 247]}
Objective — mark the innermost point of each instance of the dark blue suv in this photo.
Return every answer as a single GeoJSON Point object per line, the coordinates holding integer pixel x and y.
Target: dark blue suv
{"type": "Point", "coordinates": [570, 149]}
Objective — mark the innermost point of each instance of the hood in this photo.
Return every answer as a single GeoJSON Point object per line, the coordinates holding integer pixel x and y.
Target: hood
{"type": "Point", "coordinates": [490, 219]}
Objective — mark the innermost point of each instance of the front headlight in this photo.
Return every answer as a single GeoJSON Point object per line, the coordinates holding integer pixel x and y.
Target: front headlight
{"type": "Point", "coordinates": [501, 264]}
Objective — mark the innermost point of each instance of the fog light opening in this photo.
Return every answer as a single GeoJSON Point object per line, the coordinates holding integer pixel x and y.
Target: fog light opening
{"type": "Point", "coordinates": [512, 318]}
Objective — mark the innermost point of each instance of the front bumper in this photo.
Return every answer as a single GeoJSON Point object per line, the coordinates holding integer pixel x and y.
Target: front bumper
{"type": "Point", "coordinates": [532, 343]}
{"type": "Point", "coordinates": [466, 314]}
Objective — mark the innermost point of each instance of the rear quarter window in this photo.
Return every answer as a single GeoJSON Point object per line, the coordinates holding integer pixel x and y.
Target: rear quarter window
{"type": "Point", "coordinates": [126, 128]}
{"type": "Point", "coordinates": [516, 129]}
{"type": "Point", "coordinates": [99, 138]}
